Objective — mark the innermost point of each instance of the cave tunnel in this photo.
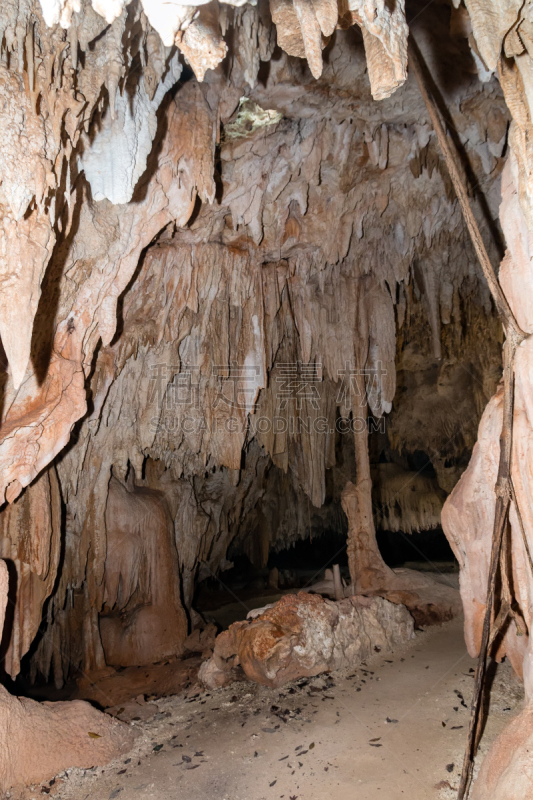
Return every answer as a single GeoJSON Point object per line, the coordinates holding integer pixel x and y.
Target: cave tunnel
{"type": "Point", "coordinates": [266, 399]}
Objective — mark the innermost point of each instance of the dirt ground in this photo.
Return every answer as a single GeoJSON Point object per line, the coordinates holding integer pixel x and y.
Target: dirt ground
{"type": "Point", "coordinates": [394, 728]}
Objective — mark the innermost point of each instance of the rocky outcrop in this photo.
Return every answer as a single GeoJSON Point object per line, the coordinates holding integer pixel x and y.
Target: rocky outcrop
{"type": "Point", "coordinates": [38, 740]}
{"type": "Point", "coordinates": [303, 635]}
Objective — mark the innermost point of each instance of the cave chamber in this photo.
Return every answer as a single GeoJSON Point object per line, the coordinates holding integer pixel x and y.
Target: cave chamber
{"type": "Point", "coordinates": [252, 406]}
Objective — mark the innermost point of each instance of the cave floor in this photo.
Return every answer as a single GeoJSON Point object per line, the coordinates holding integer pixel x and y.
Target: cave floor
{"type": "Point", "coordinates": [390, 729]}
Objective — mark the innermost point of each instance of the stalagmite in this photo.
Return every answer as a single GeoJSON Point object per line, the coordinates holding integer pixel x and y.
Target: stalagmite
{"type": "Point", "coordinates": [428, 599]}
{"type": "Point", "coordinates": [368, 571]}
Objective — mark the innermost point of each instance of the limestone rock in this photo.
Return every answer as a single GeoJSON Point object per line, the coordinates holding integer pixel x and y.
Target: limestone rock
{"type": "Point", "coordinates": [305, 225]}
{"type": "Point", "coordinates": [385, 35]}
{"type": "Point", "coordinates": [116, 157]}
{"type": "Point", "coordinates": [303, 635]}
{"type": "Point", "coordinates": [201, 640]}
{"type": "Point", "coordinates": [38, 740]}
{"type": "Point", "coordinates": [33, 553]}
{"type": "Point", "coordinates": [159, 235]}
{"type": "Point", "coordinates": [469, 511]}
{"type": "Point", "coordinates": [431, 599]}
{"type": "Point", "coordinates": [144, 620]}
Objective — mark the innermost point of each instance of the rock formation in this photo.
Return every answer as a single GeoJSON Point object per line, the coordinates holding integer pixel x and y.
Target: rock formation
{"type": "Point", "coordinates": [237, 296]}
{"type": "Point", "coordinates": [304, 635]}
{"type": "Point", "coordinates": [506, 772]}
{"type": "Point", "coordinates": [38, 740]}
{"type": "Point", "coordinates": [143, 620]}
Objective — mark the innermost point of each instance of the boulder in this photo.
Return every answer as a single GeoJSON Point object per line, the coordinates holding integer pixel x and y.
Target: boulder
{"type": "Point", "coordinates": [304, 635]}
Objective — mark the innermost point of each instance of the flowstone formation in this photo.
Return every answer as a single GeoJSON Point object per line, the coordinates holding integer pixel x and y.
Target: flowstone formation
{"type": "Point", "coordinates": [143, 620]}
{"type": "Point", "coordinates": [238, 296]}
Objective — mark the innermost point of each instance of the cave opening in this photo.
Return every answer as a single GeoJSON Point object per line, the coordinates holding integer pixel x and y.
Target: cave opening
{"type": "Point", "coordinates": [265, 399]}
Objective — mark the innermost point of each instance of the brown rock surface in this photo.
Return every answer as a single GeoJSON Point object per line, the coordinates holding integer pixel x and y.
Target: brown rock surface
{"type": "Point", "coordinates": [143, 620]}
{"type": "Point", "coordinates": [507, 772]}
{"type": "Point", "coordinates": [303, 635]}
{"type": "Point", "coordinates": [38, 740]}
{"type": "Point", "coordinates": [159, 231]}
{"type": "Point", "coordinates": [113, 688]}
{"type": "Point", "coordinates": [469, 512]}
{"type": "Point", "coordinates": [334, 240]}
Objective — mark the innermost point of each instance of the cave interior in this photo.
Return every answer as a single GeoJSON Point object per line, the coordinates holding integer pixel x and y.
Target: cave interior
{"type": "Point", "coordinates": [266, 393]}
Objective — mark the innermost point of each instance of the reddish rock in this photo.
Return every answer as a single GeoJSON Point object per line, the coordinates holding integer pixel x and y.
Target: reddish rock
{"type": "Point", "coordinates": [145, 622]}
{"type": "Point", "coordinates": [38, 740]}
{"type": "Point", "coordinates": [507, 771]}
{"type": "Point", "coordinates": [303, 635]}
{"type": "Point", "coordinates": [200, 640]}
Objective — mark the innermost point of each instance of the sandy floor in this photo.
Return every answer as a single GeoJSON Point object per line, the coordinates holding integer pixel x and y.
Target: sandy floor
{"type": "Point", "coordinates": [393, 729]}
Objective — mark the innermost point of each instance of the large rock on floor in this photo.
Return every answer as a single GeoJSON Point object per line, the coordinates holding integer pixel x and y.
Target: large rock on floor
{"type": "Point", "coordinates": [38, 740]}
{"type": "Point", "coordinates": [303, 635]}
{"type": "Point", "coordinates": [431, 598]}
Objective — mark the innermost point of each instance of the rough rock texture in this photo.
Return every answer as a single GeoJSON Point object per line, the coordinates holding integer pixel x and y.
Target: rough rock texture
{"type": "Point", "coordinates": [303, 635]}
{"type": "Point", "coordinates": [334, 243]}
{"type": "Point", "coordinates": [38, 740]}
{"type": "Point", "coordinates": [385, 34]}
{"type": "Point", "coordinates": [111, 688]}
{"type": "Point", "coordinates": [30, 542]}
{"type": "Point", "coordinates": [469, 512]}
{"type": "Point", "coordinates": [429, 598]}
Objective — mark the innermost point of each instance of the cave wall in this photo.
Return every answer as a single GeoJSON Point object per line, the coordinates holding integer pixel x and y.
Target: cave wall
{"type": "Point", "coordinates": [302, 225]}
